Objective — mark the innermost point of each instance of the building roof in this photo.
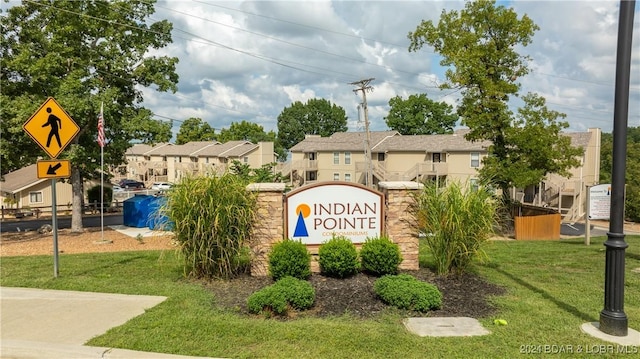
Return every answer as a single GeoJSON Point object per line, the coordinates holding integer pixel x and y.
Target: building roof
{"type": "Point", "coordinates": [141, 149]}
{"type": "Point", "coordinates": [342, 141]}
{"type": "Point", "coordinates": [392, 141]}
{"type": "Point", "coordinates": [227, 149]}
{"type": "Point", "coordinates": [20, 179]}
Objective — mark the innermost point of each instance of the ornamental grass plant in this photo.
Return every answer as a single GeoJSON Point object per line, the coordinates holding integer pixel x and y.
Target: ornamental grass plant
{"type": "Point", "coordinates": [212, 220]}
{"type": "Point", "coordinates": [456, 222]}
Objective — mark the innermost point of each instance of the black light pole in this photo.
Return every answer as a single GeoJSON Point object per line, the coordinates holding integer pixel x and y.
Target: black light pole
{"type": "Point", "coordinates": [613, 320]}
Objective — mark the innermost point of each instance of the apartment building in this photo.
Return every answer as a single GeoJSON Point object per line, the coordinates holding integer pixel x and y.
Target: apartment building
{"type": "Point", "coordinates": [394, 157]}
{"type": "Point", "coordinates": [167, 162]}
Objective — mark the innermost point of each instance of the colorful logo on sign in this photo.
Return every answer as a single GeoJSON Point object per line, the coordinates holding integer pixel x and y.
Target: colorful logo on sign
{"type": "Point", "coordinates": [303, 211]}
{"type": "Point", "coordinates": [318, 212]}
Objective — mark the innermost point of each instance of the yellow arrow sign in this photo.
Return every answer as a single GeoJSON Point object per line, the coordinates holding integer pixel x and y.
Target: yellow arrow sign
{"type": "Point", "coordinates": [51, 127]}
{"type": "Point", "coordinates": [54, 169]}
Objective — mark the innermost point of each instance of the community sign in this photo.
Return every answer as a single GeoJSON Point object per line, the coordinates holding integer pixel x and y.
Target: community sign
{"type": "Point", "coordinates": [600, 201]}
{"type": "Point", "coordinates": [317, 212]}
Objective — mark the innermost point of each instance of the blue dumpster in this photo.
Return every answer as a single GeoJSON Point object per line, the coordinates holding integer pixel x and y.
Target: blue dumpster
{"type": "Point", "coordinates": [157, 220]}
{"type": "Point", "coordinates": [135, 211]}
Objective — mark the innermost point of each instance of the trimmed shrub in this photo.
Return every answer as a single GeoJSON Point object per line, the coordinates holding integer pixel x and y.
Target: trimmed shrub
{"type": "Point", "coordinates": [338, 258]}
{"type": "Point", "coordinates": [406, 292]}
{"type": "Point", "coordinates": [289, 258]}
{"type": "Point", "coordinates": [297, 293]}
{"type": "Point", "coordinates": [380, 256]}
{"type": "Point", "coordinates": [266, 300]}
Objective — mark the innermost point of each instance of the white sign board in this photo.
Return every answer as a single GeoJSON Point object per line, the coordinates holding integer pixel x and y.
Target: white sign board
{"type": "Point", "coordinates": [317, 212]}
{"type": "Point", "coordinates": [600, 201]}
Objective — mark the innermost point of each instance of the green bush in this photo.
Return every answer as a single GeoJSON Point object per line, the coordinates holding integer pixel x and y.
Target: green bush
{"type": "Point", "coordinates": [212, 219]}
{"type": "Point", "coordinates": [406, 292]}
{"type": "Point", "coordinates": [338, 257]}
{"type": "Point", "coordinates": [93, 196]}
{"type": "Point", "coordinates": [266, 300]}
{"type": "Point", "coordinates": [289, 258]}
{"type": "Point", "coordinates": [297, 293]}
{"type": "Point", "coordinates": [380, 256]}
{"type": "Point", "coordinates": [456, 222]}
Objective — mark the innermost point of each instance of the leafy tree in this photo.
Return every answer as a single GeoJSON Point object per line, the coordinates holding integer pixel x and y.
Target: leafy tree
{"type": "Point", "coordinates": [82, 53]}
{"type": "Point", "coordinates": [632, 174]}
{"type": "Point", "coordinates": [316, 117]}
{"type": "Point", "coordinates": [419, 115]}
{"type": "Point", "coordinates": [253, 132]}
{"type": "Point", "coordinates": [194, 129]}
{"type": "Point", "coordinates": [264, 174]}
{"type": "Point", "coordinates": [478, 46]}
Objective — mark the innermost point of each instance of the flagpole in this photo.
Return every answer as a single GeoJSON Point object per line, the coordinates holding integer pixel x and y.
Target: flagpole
{"type": "Point", "coordinates": [102, 177]}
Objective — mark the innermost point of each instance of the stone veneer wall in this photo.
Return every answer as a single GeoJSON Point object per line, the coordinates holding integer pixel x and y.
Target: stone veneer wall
{"type": "Point", "coordinates": [400, 222]}
{"type": "Point", "coordinates": [269, 226]}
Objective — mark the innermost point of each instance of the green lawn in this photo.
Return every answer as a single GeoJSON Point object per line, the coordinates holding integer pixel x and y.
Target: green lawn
{"type": "Point", "coordinates": [552, 288]}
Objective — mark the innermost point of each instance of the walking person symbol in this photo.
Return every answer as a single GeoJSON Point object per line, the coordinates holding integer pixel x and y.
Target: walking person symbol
{"type": "Point", "coordinates": [55, 124]}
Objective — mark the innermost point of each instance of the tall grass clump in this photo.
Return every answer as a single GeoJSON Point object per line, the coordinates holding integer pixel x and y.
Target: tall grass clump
{"type": "Point", "coordinates": [456, 222]}
{"type": "Point", "coordinates": [212, 219]}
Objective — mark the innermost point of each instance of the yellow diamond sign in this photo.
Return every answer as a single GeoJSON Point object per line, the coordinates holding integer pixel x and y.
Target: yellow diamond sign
{"type": "Point", "coordinates": [51, 127]}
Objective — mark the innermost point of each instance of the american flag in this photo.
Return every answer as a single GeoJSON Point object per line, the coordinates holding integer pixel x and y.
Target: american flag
{"type": "Point", "coordinates": [101, 127]}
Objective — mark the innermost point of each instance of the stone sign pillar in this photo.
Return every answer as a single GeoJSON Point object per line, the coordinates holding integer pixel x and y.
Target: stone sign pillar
{"type": "Point", "coordinates": [269, 224]}
{"type": "Point", "coordinates": [400, 221]}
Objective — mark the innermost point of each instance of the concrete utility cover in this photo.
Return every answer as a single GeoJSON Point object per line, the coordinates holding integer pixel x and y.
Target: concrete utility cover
{"type": "Point", "coordinates": [445, 327]}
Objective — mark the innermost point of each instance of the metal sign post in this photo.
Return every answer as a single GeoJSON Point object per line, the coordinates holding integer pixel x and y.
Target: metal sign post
{"type": "Point", "coordinates": [52, 129]}
{"type": "Point", "coordinates": [54, 224]}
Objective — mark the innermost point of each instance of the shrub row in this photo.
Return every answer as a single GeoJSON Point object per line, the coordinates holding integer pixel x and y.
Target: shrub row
{"type": "Point", "coordinates": [288, 291]}
{"type": "Point", "coordinates": [337, 258]}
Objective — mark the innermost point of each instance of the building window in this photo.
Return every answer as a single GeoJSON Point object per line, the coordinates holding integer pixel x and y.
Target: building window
{"type": "Point", "coordinates": [435, 157]}
{"type": "Point", "coordinates": [312, 175]}
{"type": "Point", "coordinates": [473, 184]}
{"type": "Point", "coordinates": [347, 158]}
{"type": "Point", "coordinates": [35, 197]}
{"type": "Point", "coordinates": [312, 156]}
{"type": "Point", "coordinates": [177, 159]}
{"type": "Point", "coordinates": [475, 159]}
{"type": "Point", "coordinates": [246, 160]}
{"type": "Point", "coordinates": [336, 158]}
{"type": "Point", "coordinates": [381, 156]}
{"type": "Point", "coordinates": [336, 177]}
{"type": "Point", "coordinates": [347, 177]}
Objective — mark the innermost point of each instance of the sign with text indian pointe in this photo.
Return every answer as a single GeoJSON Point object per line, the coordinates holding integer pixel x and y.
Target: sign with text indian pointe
{"type": "Point", "coordinates": [600, 201]}
{"type": "Point", "coordinates": [315, 213]}
{"type": "Point", "coordinates": [51, 127]}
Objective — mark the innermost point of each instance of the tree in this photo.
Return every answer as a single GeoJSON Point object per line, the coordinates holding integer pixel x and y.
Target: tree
{"type": "Point", "coordinates": [419, 115]}
{"type": "Point", "coordinates": [194, 129]}
{"type": "Point", "coordinates": [478, 47]}
{"type": "Point", "coordinates": [247, 131]}
{"type": "Point", "coordinates": [316, 117]}
{"type": "Point", "coordinates": [632, 170]}
{"type": "Point", "coordinates": [82, 53]}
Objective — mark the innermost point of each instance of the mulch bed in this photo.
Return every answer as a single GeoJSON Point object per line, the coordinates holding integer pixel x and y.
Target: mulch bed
{"type": "Point", "coordinates": [463, 296]}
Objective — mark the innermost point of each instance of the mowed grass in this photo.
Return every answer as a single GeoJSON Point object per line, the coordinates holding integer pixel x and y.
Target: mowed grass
{"type": "Point", "coordinates": [553, 287]}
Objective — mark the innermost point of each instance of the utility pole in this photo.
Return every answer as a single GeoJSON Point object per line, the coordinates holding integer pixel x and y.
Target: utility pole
{"type": "Point", "coordinates": [364, 87]}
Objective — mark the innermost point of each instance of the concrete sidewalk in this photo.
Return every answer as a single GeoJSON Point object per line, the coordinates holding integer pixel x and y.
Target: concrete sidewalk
{"type": "Point", "coordinates": [44, 324]}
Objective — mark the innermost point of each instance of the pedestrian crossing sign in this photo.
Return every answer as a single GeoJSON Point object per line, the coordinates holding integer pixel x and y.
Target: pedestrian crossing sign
{"type": "Point", "coordinates": [51, 127]}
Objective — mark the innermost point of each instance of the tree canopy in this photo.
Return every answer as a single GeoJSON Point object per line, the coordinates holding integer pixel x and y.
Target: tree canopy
{"type": "Point", "coordinates": [478, 45]}
{"type": "Point", "coordinates": [315, 117]}
{"type": "Point", "coordinates": [632, 170]}
{"type": "Point", "coordinates": [419, 115]}
{"type": "Point", "coordinates": [248, 131]}
{"type": "Point", "coordinates": [194, 129]}
{"type": "Point", "coordinates": [83, 54]}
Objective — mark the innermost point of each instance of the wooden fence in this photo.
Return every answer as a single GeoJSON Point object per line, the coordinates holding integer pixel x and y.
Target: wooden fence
{"type": "Point", "coordinates": [536, 223]}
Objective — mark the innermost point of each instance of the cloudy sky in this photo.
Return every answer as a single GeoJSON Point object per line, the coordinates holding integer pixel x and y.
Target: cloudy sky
{"type": "Point", "coordinates": [248, 60]}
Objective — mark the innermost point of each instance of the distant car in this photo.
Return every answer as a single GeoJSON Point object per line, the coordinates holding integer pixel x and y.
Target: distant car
{"type": "Point", "coordinates": [161, 186]}
{"type": "Point", "coordinates": [129, 184]}
{"type": "Point", "coordinates": [116, 188]}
